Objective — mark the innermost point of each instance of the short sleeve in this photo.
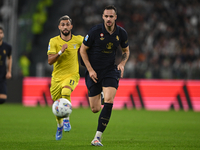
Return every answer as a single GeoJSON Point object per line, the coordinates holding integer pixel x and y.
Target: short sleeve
{"type": "Point", "coordinates": [51, 47]}
{"type": "Point", "coordinates": [124, 39]}
{"type": "Point", "coordinates": [81, 38]}
{"type": "Point", "coordinates": [88, 39]}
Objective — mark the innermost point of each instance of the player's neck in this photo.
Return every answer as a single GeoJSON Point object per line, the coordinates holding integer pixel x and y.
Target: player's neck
{"type": "Point", "coordinates": [66, 38]}
{"type": "Point", "coordinates": [111, 29]}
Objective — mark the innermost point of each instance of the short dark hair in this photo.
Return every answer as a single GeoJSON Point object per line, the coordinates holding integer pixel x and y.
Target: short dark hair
{"type": "Point", "coordinates": [110, 7]}
{"type": "Point", "coordinates": [65, 17]}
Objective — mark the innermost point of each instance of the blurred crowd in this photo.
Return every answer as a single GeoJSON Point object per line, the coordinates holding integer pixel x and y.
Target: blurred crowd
{"type": "Point", "coordinates": [1, 15]}
{"type": "Point", "coordinates": [163, 35]}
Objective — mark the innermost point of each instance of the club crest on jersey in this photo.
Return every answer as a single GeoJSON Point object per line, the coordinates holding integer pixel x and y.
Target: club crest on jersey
{"type": "Point", "coordinates": [109, 45]}
{"type": "Point", "coordinates": [101, 36]}
{"type": "Point", "coordinates": [74, 45]}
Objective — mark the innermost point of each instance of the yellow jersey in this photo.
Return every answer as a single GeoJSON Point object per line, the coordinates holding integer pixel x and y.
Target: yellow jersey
{"type": "Point", "coordinates": [67, 64]}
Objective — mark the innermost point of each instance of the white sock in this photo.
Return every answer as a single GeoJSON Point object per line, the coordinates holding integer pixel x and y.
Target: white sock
{"type": "Point", "coordinates": [98, 134]}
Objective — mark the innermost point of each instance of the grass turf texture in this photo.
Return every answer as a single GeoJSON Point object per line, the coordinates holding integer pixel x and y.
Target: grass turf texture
{"type": "Point", "coordinates": [34, 128]}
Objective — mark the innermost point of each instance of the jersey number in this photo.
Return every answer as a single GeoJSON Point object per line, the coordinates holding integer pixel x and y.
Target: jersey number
{"type": "Point", "coordinates": [71, 82]}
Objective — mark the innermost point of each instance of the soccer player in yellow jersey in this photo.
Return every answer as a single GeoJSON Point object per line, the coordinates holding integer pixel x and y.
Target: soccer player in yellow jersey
{"type": "Point", "coordinates": [63, 54]}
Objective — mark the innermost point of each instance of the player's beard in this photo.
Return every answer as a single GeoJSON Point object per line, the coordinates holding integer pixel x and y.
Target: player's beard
{"type": "Point", "coordinates": [109, 24]}
{"type": "Point", "coordinates": [66, 33]}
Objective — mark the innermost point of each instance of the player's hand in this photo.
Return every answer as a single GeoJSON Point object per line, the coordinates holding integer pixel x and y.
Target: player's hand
{"type": "Point", "coordinates": [8, 75]}
{"type": "Point", "coordinates": [64, 47]}
{"type": "Point", "coordinates": [93, 75]}
{"type": "Point", "coordinates": [121, 67]}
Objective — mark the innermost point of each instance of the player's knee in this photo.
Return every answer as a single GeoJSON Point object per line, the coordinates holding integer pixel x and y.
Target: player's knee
{"type": "Point", "coordinates": [2, 100]}
{"type": "Point", "coordinates": [110, 100]}
{"type": "Point", "coordinates": [95, 109]}
{"type": "Point", "coordinates": [66, 92]}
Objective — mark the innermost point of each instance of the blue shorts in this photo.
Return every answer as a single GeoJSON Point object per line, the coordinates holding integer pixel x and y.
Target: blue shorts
{"type": "Point", "coordinates": [106, 78]}
{"type": "Point", "coordinates": [3, 89]}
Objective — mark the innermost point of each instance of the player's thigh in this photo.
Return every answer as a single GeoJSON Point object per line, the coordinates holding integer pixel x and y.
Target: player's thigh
{"type": "Point", "coordinates": [109, 94]}
{"type": "Point", "coordinates": [55, 89]}
{"type": "Point", "coordinates": [94, 93]}
{"type": "Point", "coordinates": [93, 88]}
{"type": "Point", "coordinates": [95, 100]}
{"type": "Point", "coordinates": [95, 103]}
{"type": "Point", "coordinates": [110, 86]}
{"type": "Point", "coordinates": [71, 82]}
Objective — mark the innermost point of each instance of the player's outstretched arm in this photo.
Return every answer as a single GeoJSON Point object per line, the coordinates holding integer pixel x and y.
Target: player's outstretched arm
{"type": "Point", "coordinates": [125, 56]}
{"type": "Point", "coordinates": [84, 55]}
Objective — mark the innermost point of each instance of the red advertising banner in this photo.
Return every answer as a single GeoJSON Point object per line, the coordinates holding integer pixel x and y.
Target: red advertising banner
{"type": "Point", "coordinates": [132, 93]}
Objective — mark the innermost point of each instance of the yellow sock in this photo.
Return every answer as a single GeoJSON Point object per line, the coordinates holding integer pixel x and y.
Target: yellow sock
{"type": "Point", "coordinates": [59, 121]}
{"type": "Point", "coordinates": [66, 92]}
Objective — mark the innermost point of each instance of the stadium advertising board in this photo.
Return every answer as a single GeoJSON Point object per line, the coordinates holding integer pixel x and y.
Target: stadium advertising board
{"type": "Point", "coordinates": [132, 93]}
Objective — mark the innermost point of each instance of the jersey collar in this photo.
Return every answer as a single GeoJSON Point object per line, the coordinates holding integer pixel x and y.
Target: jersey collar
{"type": "Point", "coordinates": [106, 32]}
{"type": "Point", "coordinates": [68, 40]}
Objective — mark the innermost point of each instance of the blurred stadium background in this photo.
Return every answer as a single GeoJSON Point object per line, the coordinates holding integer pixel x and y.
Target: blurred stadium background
{"type": "Point", "coordinates": [163, 36]}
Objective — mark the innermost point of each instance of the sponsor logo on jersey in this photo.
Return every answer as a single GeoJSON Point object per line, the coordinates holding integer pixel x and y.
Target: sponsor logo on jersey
{"type": "Point", "coordinates": [4, 51]}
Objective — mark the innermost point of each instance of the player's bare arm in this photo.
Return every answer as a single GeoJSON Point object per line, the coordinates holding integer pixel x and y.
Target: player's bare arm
{"type": "Point", "coordinates": [52, 58]}
{"type": "Point", "coordinates": [84, 55]}
{"type": "Point", "coordinates": [125, 56]}
{"type": "Point", "coordinates": [9, 64]}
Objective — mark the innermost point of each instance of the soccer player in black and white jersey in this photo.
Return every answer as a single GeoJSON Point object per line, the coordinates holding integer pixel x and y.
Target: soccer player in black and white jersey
{"type": "Point", "coordinates": [98, 54]}
{"type": "Point", "coordinates": [5, 66]}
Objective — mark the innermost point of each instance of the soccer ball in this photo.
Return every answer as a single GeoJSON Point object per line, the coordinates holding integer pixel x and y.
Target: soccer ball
{"type": "Point", "coordinates": [62, 108]}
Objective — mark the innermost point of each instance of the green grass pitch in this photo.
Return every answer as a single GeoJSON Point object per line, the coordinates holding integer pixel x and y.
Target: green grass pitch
{"type": "Point", "coordinates": [33, 128]}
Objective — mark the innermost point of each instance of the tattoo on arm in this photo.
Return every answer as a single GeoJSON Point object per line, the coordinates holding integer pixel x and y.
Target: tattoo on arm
{"type": "Point", "coordinates": [124, 56]}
